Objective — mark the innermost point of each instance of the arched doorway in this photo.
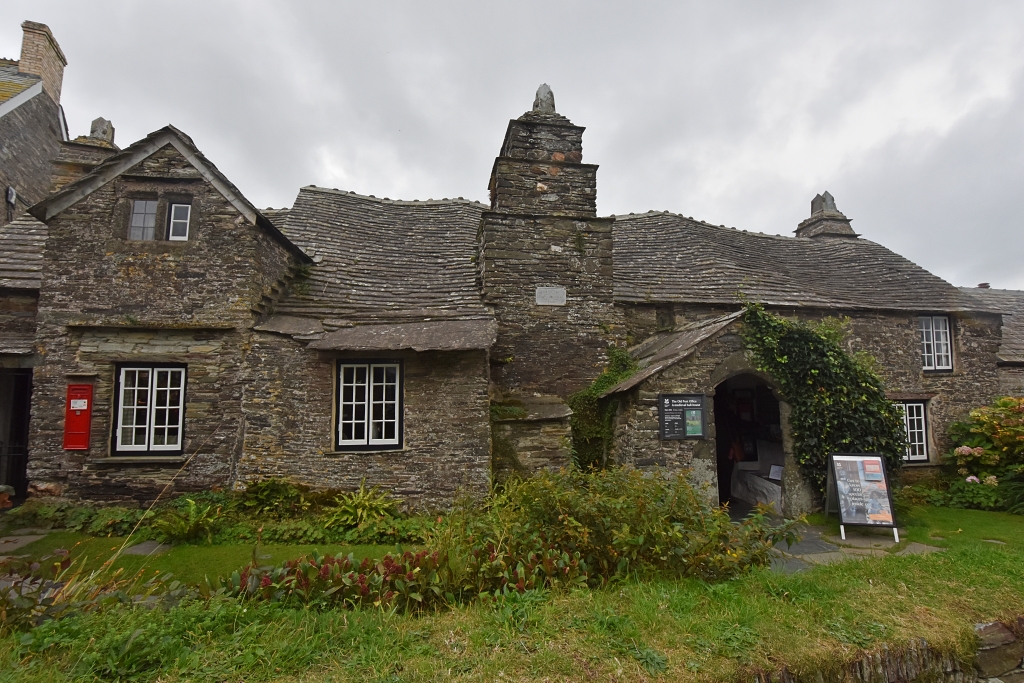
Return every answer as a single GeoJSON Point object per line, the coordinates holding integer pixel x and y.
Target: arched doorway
{"type": "Point", "coordinates": [748, 442]}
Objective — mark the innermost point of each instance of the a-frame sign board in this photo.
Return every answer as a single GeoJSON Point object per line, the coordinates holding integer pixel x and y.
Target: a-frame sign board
{"type": "Point", "coordinates": [858, 489]}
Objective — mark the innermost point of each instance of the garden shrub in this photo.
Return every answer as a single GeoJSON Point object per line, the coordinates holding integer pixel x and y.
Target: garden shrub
{"type": "Point", "coordinates": [551, 531]}
{"type": "Point", "coordinates": [190, 522]}
{"type": "Point", "coordinates": [838, 401]}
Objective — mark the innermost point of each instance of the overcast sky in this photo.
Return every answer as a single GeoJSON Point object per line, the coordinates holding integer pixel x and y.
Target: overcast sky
{"type": "Point", "coordinates": [736, 113]}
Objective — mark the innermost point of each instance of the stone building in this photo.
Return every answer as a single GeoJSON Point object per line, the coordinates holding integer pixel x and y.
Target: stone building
{"type": "Point", "coordinates": [179, 339]}
{"type": "Point", "coordinates": [31, 120]}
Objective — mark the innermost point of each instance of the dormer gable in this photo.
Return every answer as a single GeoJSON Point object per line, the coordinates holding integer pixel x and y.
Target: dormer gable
{"type": "Point", "coordinates": [132, 161]}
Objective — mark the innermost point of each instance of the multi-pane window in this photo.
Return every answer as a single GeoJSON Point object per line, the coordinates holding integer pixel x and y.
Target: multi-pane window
{"type": "Point", "coordinates": [915, 420]}
{"type": "Point", "coordinates": [369, 405]}
{"type": "Point", "coordinates": [936, 350]}
{"type": "Point", "coordinates": [180, 214]}
{"type": "Point", "coordinates": [151, 408]}
{"type": "Point", "coordinates": [143, 224]}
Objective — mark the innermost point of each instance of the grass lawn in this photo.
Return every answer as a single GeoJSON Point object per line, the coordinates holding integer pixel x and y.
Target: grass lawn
{"type": "Point", "coordinates": [636, 630]}
{"type": "Point", "coordinates": [186, 563]}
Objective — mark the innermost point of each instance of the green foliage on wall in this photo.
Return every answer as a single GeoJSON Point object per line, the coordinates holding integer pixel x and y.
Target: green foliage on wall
{"type": "Point", "coordinates": [593, 417]}
{"type": "Point", "coordinates": [838, 402]}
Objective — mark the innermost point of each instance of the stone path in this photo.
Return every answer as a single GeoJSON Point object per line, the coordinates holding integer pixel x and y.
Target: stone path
{"type": "Point", "coordinates": [818, 547]}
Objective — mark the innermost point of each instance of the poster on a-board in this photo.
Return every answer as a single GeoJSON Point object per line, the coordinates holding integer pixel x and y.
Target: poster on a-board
{"type": "Point", "coordinates": [858, 489]}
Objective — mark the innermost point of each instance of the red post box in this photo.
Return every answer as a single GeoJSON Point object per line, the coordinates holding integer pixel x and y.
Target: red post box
{"type": "Point", "coordinates": [78, 417]}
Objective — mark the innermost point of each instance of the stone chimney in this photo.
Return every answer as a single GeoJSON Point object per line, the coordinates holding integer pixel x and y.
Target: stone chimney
{"type": "Point", "coordinates": [826, 220]}
{"type": "Point", "coordinates": [539, 170]}
{"type": "Point", "coordinates": [80, 156]}
{"type": "Point", "coordinates": [41, 56]}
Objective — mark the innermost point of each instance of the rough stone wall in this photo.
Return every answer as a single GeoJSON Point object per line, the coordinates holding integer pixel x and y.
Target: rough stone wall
{"type": "Point", "coordinates": [539, 170]}
{"type": "Point", "coordinates": [1011, 380]}
{"type": "Point", "coordinates": [212, 426]}
{"type": "Point", "coordinates": [892, 339]}
{"type": "Point", "coordinates": [997, 660]}
{"type": "Point", "coordinates": [551, 349]}
{"type": "Point", "coordinates": [17, 313]}
{"type": "Point", "coordinates": [521, 447]}
{"type": "Point", "coordinates": [106, 299]}
{"type": "Point", "coordinates": [30, 139]}
{"type": "Point", "coordinates": [637, 441]}
{"type": "Point", "coordinates": [290, 423]}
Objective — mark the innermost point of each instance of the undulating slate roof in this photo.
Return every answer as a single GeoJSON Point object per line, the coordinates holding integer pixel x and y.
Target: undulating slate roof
{"type": "Point", "coordinates": [384, 261]}
{"type": "Point", "coordinates": [13, 83]}
{"type": "Point", "coordinates": [1009, 302]}
{"type": "Point", "coordinates": [664, 257]}
{"type": "Point", "coordinates": [21, 253]}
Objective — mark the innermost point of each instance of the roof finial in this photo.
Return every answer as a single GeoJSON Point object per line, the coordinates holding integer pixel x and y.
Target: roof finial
{"type": "Point", "coordinates": [823, 202]}
{"type": "Point", "coordinates": [545, 100]}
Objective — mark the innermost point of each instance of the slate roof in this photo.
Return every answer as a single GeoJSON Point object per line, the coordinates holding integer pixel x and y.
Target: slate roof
{"type": "Point", "coordinates": [21, 253]}
{"type": "Point", "coordinates": [664, 257]}
{"type": "Point", "coordinates": [1010, 302]}
{"type": "Point", "coordinates": [434, 335]}
{"type": "Point", "coordinates": [664, 350]}
{"type": "Point", "coordinates": [384, 261]}
{"type": "Point", "coordinates": [12, 82]}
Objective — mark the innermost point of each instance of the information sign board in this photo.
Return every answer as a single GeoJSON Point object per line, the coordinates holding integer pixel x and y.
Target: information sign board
{"type": "Point", "coordinates": [682, 416]}
{"type": "Point", "coordinates": [858, 488]}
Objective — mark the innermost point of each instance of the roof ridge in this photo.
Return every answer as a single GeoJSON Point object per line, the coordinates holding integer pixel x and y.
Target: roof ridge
{"type": "Point", "coordinates": [398, 202]}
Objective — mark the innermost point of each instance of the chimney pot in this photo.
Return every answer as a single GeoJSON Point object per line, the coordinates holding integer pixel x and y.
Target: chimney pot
{"type": "Point", "coordinates": [545, 100]}
{"type": "Point", "coordinates": [41, 56]}
{"type": "Point", "coordinates": [102, 129]}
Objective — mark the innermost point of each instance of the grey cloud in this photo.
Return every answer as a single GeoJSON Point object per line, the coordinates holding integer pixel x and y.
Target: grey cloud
{"type": "Point", "coordinates": [735, 113]}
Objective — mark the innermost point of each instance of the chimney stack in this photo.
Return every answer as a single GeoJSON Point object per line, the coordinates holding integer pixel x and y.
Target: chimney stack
{"type": "Point", "coordinates": [826, 220]}
{"type": "Point", "coordinates": [41, 56]}
{"type": "Point", "coordinates": [102, 129]}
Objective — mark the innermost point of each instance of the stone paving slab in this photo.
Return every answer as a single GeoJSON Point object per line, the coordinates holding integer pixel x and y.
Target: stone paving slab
{"type": "Point", "coordinates": [147, 548]}
{"type": "Point", "coordinates": [10, 544]}
{"type": "Point", "coordinates": [818, 548]}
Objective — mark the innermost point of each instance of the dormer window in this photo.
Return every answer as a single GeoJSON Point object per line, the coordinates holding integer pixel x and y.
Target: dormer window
{"type": "Point", "coordinates": [936, 350]}
{"type": "Point", "coordinates": [180, 214]}
{"type": "Point", "coordinates": [143, 225]}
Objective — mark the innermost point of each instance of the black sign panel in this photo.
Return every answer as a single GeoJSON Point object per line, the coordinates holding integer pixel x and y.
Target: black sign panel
{"type": "Point", "coordinates": [859, 488]}
{"type": "Point", "coordinates": [681, 416]}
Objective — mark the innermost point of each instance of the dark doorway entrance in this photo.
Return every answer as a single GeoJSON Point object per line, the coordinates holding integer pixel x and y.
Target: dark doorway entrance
{"type": "Point", "coordinates": [15, 395]}
{"type": "Point", "coordinates": [748, 442]}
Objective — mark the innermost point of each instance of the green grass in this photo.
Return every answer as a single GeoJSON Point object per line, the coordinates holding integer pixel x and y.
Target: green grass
{"type": "Point", "coordinates": [636, 630]}
{"type": "Point", "coordinates": [187, 563]}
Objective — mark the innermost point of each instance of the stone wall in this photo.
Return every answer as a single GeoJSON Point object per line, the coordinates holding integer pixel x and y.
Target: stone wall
{"type": "Point", "coordinates": [1011, 380]}
{"type": "Point", "coordinates": [105, 299]}
{"type": "Point", "coordinates": [997, 660]}
{"type": "Point", "coordinates": [17, 313]}
{"type": "Point", "coordinates": [637, 441]}
{"type": "Point", "coordinates": [549, 349]}
{"type": "Point", "coordinates": [892, 339]}
{"type": "Point", "coordinates": [212, 424]}
{"type": "Point", "coordinates": [290, 423]}
{"type": "Point", "coordinates": [30, 139]}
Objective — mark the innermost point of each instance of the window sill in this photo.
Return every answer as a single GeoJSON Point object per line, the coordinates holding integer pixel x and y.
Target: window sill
{"type": "Point", "coordinates": [139, 460]}
{"type": "Point", "coordinates": [945, 371]}
{"type": "Point", "coordinates": [920, 463]}
{"type": "Point", "coordinates": [369, 451]}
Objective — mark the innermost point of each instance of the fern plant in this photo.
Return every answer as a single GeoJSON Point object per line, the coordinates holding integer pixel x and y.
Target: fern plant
{"type": "Point", "coordinates": [362, 505]}
{"type": "Point", "coordinates": [189, 523]}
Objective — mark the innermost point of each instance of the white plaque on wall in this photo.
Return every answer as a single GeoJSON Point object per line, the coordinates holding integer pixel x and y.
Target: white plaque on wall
{"type": "Point", "coordinates": [551, 296]}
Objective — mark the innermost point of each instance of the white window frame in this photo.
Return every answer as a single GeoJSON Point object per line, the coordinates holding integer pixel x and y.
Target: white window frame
{"type": "Point", "coordinates": [915, 421]}
{"type": "Point", "coordinates": [171, 220]}
{"type": "Point", "coordinates": [148, 221]}
{"type": "Point", "coordinates": [152, 410]}
{"type": "Point", "coordinates": [936, 342]}
{"type": "Point", "coordinates": [363, 403]}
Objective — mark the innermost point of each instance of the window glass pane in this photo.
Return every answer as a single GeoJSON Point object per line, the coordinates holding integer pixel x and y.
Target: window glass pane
{"type": "Point", "coordinates": [352, 405]}
{"type": "Point", "coordinates": [927, 352]}
{"type": "Point", "coordinates": [143, 222]}
{"type": "Point", "coordinates": [940, 337]}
